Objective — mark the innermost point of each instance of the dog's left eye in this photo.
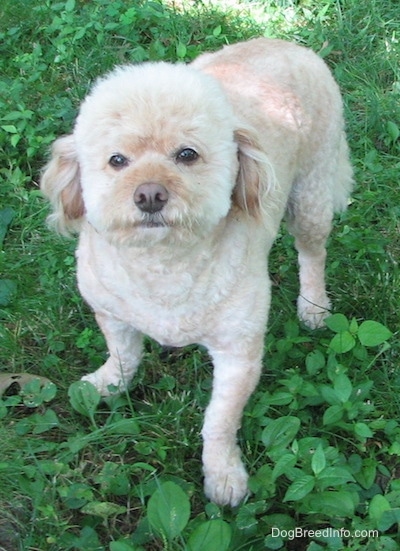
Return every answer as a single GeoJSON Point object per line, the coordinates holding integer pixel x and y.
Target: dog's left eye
{"type": "Point", "coordinates": [187, 155]}
{"type": "Point", "coordinates": [118, 160]}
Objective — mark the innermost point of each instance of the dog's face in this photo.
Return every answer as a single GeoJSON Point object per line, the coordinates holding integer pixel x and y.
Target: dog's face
{"type": "Point", "coordinates": [154, 155]}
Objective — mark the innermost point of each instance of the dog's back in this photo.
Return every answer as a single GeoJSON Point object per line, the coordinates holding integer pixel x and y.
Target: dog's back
{"type": "Point", "coordinates": [289, 95]}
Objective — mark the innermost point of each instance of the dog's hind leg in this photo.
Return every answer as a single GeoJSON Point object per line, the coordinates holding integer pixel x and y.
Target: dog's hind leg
{"type": "Point", "coordinates": [310, 213]}
{"type": "Point", "coordinates": [312, 203]}
{"type": "Point", "coordinates": [125, 348]}
{"type": "Point", "coordinates": [313, 304]}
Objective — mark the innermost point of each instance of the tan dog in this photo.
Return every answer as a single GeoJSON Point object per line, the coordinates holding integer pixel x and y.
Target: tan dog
{"type": "Point", "coordinates": [177, 178]}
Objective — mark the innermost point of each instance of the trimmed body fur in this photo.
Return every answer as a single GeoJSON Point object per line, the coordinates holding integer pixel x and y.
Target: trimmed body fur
{"type": "Point", "coordinates": [177, 178]}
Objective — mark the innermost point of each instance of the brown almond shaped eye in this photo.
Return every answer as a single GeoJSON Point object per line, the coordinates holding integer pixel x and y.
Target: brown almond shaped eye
{"type": "Point", "coordinates": [187, 155]}
{"type": "Point", "coordinates": [118, 160]}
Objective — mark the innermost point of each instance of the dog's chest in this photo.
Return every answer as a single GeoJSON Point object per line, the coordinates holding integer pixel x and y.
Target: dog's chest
{"type": "Point", "coordinates": [168, 309]}
{"type": "Point", "coordinates": [174, 303]}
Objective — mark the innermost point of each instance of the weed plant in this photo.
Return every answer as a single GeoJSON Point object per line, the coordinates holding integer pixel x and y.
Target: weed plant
{"type": "Point", "coordinates": [322, 432]}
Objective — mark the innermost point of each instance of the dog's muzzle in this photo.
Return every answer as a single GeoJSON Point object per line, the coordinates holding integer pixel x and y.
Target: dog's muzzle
{"type": "Point", "coordinates": [150, 197]}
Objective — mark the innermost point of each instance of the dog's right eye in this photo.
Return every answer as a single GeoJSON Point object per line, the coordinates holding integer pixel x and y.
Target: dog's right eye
{"type": "Point", "coordinates": [187, 156]}
{"type": "Point", "coordinates": [118, 161]}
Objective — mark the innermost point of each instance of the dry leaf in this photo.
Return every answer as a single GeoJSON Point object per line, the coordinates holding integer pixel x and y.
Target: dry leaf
{"type": "Point", "coordinates": [21, 379]}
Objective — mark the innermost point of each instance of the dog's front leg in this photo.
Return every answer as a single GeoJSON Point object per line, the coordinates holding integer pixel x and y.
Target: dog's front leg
{"type": "Point", "coordinates": [125, 349]}
{"type": "Point", "coordinates": [235, 377]}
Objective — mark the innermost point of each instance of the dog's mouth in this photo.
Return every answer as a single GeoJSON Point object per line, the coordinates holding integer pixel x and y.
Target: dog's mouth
{"type": "Point", "coordinates": [152, 225]}
{"type": "Point", "coordinates": [154, 220]}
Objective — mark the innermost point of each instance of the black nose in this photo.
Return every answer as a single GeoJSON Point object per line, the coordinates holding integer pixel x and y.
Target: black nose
{"type": "Point", "coordinates": [150, 197]}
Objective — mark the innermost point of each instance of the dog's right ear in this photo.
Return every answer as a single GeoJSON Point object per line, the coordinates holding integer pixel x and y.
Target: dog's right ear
{"type": "Point", "coordinates": [60, 183]}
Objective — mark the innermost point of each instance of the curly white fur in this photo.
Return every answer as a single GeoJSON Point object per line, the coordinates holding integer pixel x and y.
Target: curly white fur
{"type": "Point", "coordinates": [264, 119]}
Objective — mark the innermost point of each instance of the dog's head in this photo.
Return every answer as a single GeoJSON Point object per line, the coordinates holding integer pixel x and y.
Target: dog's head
{"type": "Point", "coordinates": [156, 152]}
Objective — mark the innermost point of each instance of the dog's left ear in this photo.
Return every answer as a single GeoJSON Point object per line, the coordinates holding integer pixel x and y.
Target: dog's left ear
{"type": "Point", "coordinates": [255, 175]}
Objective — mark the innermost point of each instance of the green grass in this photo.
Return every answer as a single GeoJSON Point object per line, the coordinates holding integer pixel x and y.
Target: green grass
{"type": "Point", "coordinates": [321, 435]}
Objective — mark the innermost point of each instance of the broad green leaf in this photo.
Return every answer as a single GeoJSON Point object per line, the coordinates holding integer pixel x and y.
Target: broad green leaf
{"type": "Point", "coordinates": [367, 475]}
{"type": "Point", "coordinates": [363, 430]}
{"type": "Point", "coordinates": [353, 326]}
{"type": "Point", "coordinates": [388, 519]}
{"type": "Point", "coordinates": [217, 31]}
{"type": "Point", "coordinates": [283, 520]}
{"type": "Point", "coordinates": [315, 361]}
{"type": "Point", "coordinates": [373, 333]}
{"type": "Point", "coordinates": [394, 449]}
{"type": "Point", "coordinates": [103, 509]}
{"type": "Point", "coordinates": [84, 398]}
{"type": "Point", "coordinates": [181, 50]}
{"type": "Point", "coordinates": [331, 503]}
{"type": "Point", "coordinates": [318, 460]}
{"type": "Point", "coordinates": [333, 476]}
{"type": "Point", "coordinates": [388, 544]}
{"type": "Point", "coordinates": [168, 382]}
{"type": "Point", "coordinates": [6, 216]}
{"type": "Point", "coordinates": [343, 387]}
{"type": "Point", "coordinates": [273, 542]}
{"type": "Point", "coordinates": [212, 535]}
{"type": "Point", "coordinates": [378, 505]}
{"type": "Point", "coordinates": [393, 130]}
{"type": "Point", "coordinates": [285, 462]}
{"type": "Point", "coordinates": [332, 415]}
{"type": "Point", "coordinates": [15, 139]}
{"type": "Point", "coordinates": [280, 398]}
{"type": "Point", "coordinates": [124, 426]}
{"type": "Point", "coordinates": [342, 342]}
{"type": "Point", "coordinates": [355, 463]}
{"type": "Point", "coordinates": [280, 432]}
{"type": "Point", "coordinates": [23, 426]}
{"type": "Point", "coordinates": [330, 396]}
{"type": "Point", "coordinates": [87, 540]}
{"type": "Point", "coordinates": [113, 479]}
{"type": "Point", "coordinates": [76, 443]}
{"type": "Point", "coordinates": [69, 5]}
{"type": "Point", "coordinates": [262, 481]}
{"type": "Point", "coordinates": [246, 518]}
{"type": "Point", "coordinates": [34, 393]}
{"type": "Point", "coordinates": [30, 393]}
{"type": "Point", "coordinates": [168, 510]}
{"type": "Point", "coordinates": [45, 422]}
{"type": "Point", "coordinates": [337, 323]}
{"type": "Point", "coordinates": [76, 495]}
{"type": "Point", "coordinates": [7, 290]}
{"type": "Point", "coordinates": [48, 392]}
{"type": "Point", "coordinates": [300, 488]}
{"type": "Point", "coordinates": [10, 128]}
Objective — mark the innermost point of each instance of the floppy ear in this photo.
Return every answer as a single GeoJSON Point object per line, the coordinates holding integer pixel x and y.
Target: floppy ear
{"type": "Point", "coordinates": [60, 182]}
{"type": "Point", "coordinates": [255, 176]}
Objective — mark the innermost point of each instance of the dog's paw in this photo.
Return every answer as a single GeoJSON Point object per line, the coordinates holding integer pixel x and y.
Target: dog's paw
{"type": "Point", "coordinates": [105, 384]}
{"type": "Point", "coordinates": [228, 486]}
{"type": "Point", "coordinates": [313, 313]}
